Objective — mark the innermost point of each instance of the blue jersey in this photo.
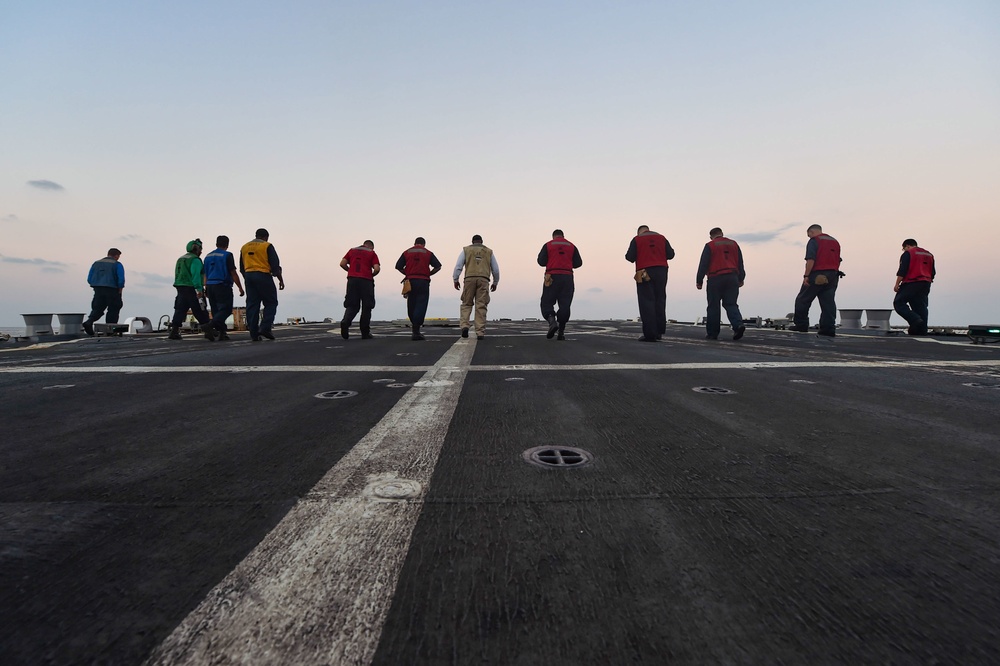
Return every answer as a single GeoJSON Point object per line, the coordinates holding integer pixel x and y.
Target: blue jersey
{"type": "Point", "coordinates": [219, 265]}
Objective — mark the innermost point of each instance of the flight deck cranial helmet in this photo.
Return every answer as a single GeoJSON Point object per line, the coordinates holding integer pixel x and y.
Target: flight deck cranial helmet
{"type": "Point", "coordinates": [193, 245]}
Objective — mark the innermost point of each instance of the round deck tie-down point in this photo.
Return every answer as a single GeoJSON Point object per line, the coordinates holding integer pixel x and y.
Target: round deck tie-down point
{"type": "Point", "coordinates": [715, 390]}
{"type": "Point", "coordinates": [559, 457]}
{"type": "Point", "coordinates": [335, 395]}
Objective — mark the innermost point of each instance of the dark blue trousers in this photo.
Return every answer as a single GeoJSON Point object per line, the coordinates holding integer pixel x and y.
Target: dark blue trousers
{"type": "Point", "coordinates": [911, 304]}
{"type": "Point", "coordinates": [724, 289]}
{"type": "Point", "coordinates": [220, 297]}
{"type": "Point", "coordinates": [360, 296]}
{"type": "Point", "coordinates": [827, 295]}
{"type": "Point", "coordinates": [105, 298]}
{"type": "Point", "coordinates": [260, 289]}
{"type": "Point", "coordinates": [559, 292]}
{"type": "Point", "coordinates": [187, 299]}
{"type": "Point", "coordinates": [416, 301]}
{"type": "Point", "coordinates": [652, 297]}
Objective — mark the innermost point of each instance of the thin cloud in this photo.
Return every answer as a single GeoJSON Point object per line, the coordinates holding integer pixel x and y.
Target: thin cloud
{"type": "Point", "coordinates": [52, 269]}
{"type": "Point", "coordinates": [45, 263]}
{"type": "Point", "coordinates": [757, 237]}
{"type": "Point", "coordinates": [10, 218]}
{"type": "Point", "coordinates": [46, 185]}
{"type": "Point", "coordinates": [134, 238]}
{"type": "Point", "coordinates": [155, 279]}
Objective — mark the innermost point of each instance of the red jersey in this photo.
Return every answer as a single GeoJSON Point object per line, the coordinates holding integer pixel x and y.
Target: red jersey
{"type": "Point", "coordinates": [827, 253]}
{"type": "Point", "coordinates": [418, 263]}
{"type": "Point", "coordinates": [650, 250]}
{"type": "Point", "coordinates": [725, 256]}
{"type": "Point", "coordinates": [360, 262]}
{"type": "Point", "coordinates": [560, 256]}
{"type": "Point", "coordinates": [921, 266]}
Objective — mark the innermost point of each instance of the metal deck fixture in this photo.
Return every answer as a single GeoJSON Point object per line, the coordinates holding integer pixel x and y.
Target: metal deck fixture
{"type": "Point", "coordinates": [335, 395]}
{"type": "Point", "coordinates": [982, 334]}
{"type": "Point", "coordinates": [561, 457]}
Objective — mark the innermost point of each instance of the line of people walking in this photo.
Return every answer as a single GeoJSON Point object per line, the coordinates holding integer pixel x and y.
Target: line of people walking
{"type": "Point", "coordinates": [205, 288]}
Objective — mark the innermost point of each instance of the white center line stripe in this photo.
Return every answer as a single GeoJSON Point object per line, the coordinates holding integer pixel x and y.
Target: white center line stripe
{"type": "Point", "coordinates": [318, 588]}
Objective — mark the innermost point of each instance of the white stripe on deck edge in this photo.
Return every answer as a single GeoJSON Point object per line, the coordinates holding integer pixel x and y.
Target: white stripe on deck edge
{"type": "Point", "coordinates": [318, 588]}
{"type": "Point", "coordinates": [740, 365]}
{"type": "Point", "coordinates": [737, 365]}
{"type": "Point", "coordinates": [152, 369]}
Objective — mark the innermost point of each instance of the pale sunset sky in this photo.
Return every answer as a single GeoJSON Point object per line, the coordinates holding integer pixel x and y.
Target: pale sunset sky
{"type": "Point", "coordinates": [145, 125]}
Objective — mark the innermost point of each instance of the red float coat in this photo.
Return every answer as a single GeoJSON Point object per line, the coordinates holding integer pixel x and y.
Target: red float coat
{"type": "Point", "coordinates": [921, 266]}
{"type": "Point", "coordinates": [560, 257]}
{"type": "Point", "coordinates": [725, 256]}
{"type": "Point", "coordinates": [418, 263]}
{"type": "Point", "coordinates": [360, 262]}
{"type": "Point", "coordinates": [827, 253]}
{"type": "Point", "coordinates": [650, 250]}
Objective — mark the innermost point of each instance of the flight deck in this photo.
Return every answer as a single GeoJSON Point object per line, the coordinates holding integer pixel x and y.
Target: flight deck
{"type": "Point", "coordinates": [787, 498]}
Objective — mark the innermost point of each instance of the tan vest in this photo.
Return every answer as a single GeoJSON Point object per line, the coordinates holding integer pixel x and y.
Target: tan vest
{"type": "Point", "coordinates": [478, 260]}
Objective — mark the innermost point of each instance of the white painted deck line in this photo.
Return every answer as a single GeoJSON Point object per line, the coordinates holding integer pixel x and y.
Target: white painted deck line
{"type": "Point", "coordinates": [318, 588]}
{"type": "Point", "coordinates": [745, 365]}
{"type": "Point", "coordinates": [151, 369]}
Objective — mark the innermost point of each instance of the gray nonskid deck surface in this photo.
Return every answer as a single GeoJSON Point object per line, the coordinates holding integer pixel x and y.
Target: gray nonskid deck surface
{"type": "Point", "coordinates": [840, 505]}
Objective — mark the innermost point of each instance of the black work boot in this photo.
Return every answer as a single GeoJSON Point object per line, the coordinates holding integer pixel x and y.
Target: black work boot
{"type": "Point", "coordinates": [175, 333]}
{"type": "Point", "coordinates": [209, 331]}
{"type": "Point", "coordinates": [416, 334]}
{"type": "Point", "coordinates": [553, 326]}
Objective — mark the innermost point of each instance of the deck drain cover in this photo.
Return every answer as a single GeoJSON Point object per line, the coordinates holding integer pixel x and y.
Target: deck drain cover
{"type": "Point", "coordinates": [560, 457]}
{"type": "Point", "coordinates": [336, 395]}
{"type": "Point", "coordinates": [977, 385]}
{"type": "Point", "coordinates": [718, 390]}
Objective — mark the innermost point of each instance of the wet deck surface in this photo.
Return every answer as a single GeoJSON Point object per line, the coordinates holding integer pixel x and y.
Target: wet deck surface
{"type": "Point", "coordinates": [195, 502]}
